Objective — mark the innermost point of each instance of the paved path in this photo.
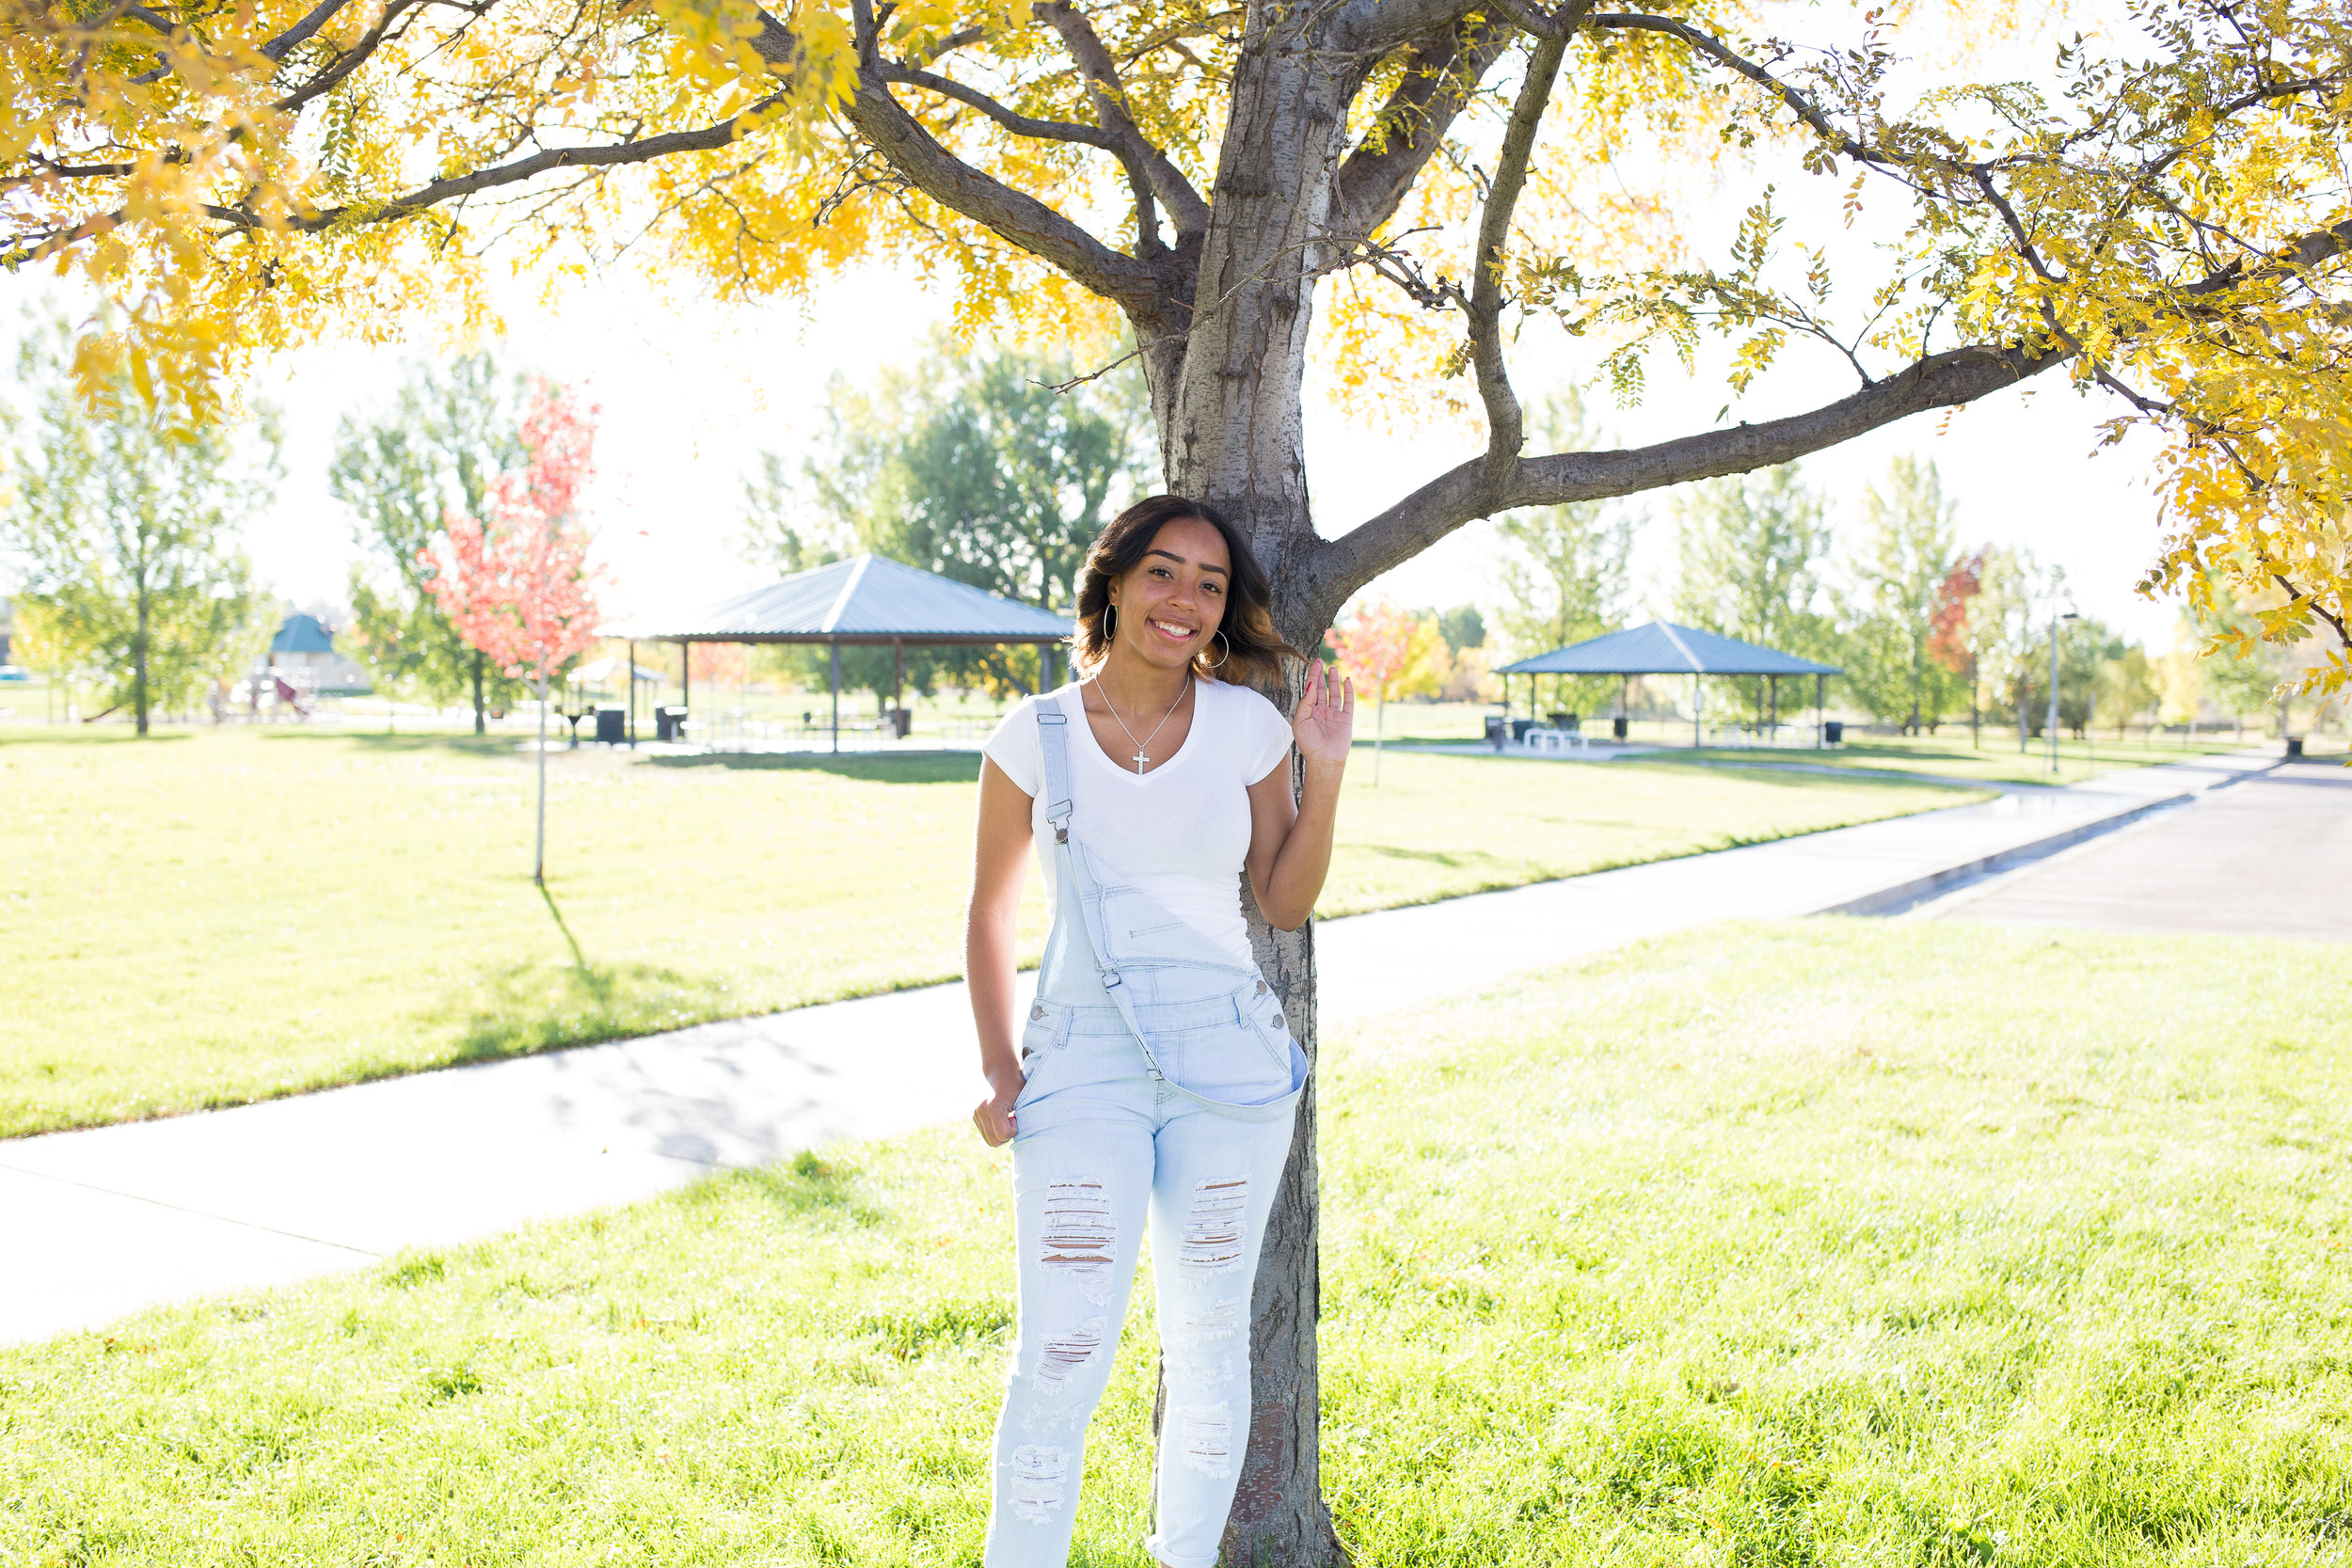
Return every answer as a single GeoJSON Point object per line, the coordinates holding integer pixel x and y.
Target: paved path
{"type": "Point", "coordinates": [96, 1224]}
{"type": "Point", "coordinates": [2272, 856]}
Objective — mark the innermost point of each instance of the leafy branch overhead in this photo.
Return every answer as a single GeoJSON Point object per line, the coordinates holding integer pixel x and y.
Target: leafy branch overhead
{"type": "Point", "coordinates": [2168, 222]}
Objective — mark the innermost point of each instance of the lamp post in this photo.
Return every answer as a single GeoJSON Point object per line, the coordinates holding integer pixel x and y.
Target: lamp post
{"type": "Point", "coordinates": [2050, 724]}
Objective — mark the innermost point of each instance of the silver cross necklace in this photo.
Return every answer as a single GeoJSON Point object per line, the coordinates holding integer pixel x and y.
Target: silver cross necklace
{"type": "Point", "coordinates": [1142, 757]}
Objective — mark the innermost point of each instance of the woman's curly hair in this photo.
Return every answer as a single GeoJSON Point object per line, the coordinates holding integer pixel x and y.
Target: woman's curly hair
{"type": "Point", "coordinates": [1253, 648]}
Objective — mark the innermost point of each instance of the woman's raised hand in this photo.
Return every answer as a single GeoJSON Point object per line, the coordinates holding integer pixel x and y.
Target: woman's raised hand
{"type": "Point", "coordinates": [1325, 723]}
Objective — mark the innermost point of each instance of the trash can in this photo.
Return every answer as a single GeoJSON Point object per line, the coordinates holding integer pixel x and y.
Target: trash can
{"type": "Point", "coordinates": [611, 727]}
{"type": "Point", "coordinates": [1616, 728]}
{"type": "Point", "coordinates": [2294, 747]}
{"type": "Point", "coordinates": [1498, 729]}
{"type": "Point", "coordinates": [901, 721]}
{"type": "Point", "coordinates": [669, 722]}
{"type": "Point", "coordinates": [1834, 733]}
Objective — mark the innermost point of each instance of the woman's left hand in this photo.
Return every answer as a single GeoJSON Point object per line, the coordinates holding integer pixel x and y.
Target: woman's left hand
{"type": "Point", "coordinates": [1323, 724]}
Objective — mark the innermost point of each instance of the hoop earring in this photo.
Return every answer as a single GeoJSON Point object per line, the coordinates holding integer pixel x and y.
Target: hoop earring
{"type": "Point", "coordinates": [1228, 651]}
{"type": "Point", "coordinates": [1110, 620]}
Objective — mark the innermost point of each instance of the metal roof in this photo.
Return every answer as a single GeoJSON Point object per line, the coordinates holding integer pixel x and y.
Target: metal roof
{"type": "Point", "coordinates": [1662, 648]}
{"type": "Point", "coordinates": [864, 599]}
{"type": "Point", "coordinates": [302, 634]}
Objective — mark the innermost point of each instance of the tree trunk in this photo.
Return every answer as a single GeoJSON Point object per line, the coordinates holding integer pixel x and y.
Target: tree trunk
{"type": "Point", "coordinates": [539, 839]}
{"type": "Point", "coordinates": [139, 663]}
{"type": "Point", "coordinates": [479, 726]}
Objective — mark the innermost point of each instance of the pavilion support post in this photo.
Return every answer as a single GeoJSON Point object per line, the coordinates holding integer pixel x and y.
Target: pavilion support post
{"type": "Point", "coordinates": [1698, 710]}
{"type": "Point", "coordinates": [632, 696]}
{"type": "Point", "coordinates": [1775, 720]}
{"type": "Point", "coordinates": [1820, 711]}
{"type": "Point", "coordinates": [836, 695]}
{"type": "Point", "coordinates": [897, 681]}
{"type": "Point", "coordinates": [686, 675]}
{"type": "Point", "coordinates": [1625, 704]}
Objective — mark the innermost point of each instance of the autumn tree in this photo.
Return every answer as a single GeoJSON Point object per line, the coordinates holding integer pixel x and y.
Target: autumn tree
{"type": "Point", "coordinates": [1377, 647]}
{"type": "Point", "coordinates": [1390, 188]}
{"type": "Point", "coordinates": [400, 470]}
{"type": "Point", "coordinates": [517, 584]}
{"type": "Point", "coordinates": [1948, 641]}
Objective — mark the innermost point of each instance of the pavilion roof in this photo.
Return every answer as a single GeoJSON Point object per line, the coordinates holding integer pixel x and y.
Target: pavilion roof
{"type": "Point", "coordinates": [863, 599]}
{"type": "Point", "coordinates": [1664, 648]}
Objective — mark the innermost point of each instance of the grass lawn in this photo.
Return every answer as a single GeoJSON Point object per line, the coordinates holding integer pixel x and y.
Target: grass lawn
{"type": "Point", "coordinates": [1799, 1243]}
{"type": "Point", "coordinates": [218, 916]}
{"type": "Point", "coordinates": [1998, 760]}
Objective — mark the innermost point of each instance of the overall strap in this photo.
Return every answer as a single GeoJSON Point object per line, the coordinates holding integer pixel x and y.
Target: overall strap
{"type": "Point", "coordinates": [1076, 892]}
{"type": "Point", "coordinates": [1051, 725]}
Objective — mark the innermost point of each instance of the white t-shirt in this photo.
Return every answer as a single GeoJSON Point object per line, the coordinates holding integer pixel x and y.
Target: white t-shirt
{"type": "Point", "coordinates": [1179, 833]}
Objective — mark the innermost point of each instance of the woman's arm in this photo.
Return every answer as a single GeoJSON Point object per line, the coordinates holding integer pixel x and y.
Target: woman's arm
{"type": "Point", "coordinates": [1289, 843]}
{"type": "Point", "coordinates": [999, 859]}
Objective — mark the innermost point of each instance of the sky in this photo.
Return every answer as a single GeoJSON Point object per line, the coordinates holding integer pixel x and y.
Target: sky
{"type": "Point", "coordinates": [692, 391]}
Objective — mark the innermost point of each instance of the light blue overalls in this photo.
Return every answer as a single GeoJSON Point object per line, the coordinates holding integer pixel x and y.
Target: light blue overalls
{"type": "Point", "coordinates": [1161, 1078]}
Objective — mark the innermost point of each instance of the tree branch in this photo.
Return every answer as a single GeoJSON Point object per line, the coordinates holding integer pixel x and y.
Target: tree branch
{"type": "Point", "coordinates": [1505, 430]}
{"type": "Point", "coordinates": [1470, 490]}
{"type": "Point", "coordinates": [1724, 55]}
{"type": "Point", "coordinates": [1442, 71]}
{"type": "Point", "coordinates": [320, 16]}
{"type": "Point", "coordinates": [1012, 119]}
{"type": "Point", "coordinates": [424, 198]}
{"type": "Point", "coordinates": [1015, 216]}
{"type": "Point", "coordinates": [1184, 206]}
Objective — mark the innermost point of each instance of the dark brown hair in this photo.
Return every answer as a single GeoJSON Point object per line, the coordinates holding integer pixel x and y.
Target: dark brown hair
{"type": "Point", "coordinates": [1253, 648]}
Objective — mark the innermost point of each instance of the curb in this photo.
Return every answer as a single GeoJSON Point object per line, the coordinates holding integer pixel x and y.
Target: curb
{"type": "Point", "coordinates": [1895, 899]}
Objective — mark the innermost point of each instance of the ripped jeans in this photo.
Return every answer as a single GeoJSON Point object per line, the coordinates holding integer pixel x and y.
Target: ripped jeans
{"type": "Point", "coordinates": [1099, 1143]}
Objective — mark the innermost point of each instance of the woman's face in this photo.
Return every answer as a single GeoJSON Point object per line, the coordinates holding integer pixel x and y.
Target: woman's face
{"type": "Point", "coordinates": [1171, 602]}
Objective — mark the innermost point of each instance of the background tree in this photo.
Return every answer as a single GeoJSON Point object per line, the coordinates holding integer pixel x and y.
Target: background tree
{"type": "Point", "coordinates": [974, 465]}
{"type": "Point", "coordinates": [1751, 551]}
{"type": "Point", "coordinates": [123, 514]}
{"type": "Point", "coordinates": [1948, 634]}
{"type": "Point", "coordinates": [1378, 646]}
{"type": "Point", "coordinates": [517, 584]}
{"type": "Point", "coordinates": [2242, 674]}
{"type": "Point", "coordinates": [1901, 563]}
{"type": "Point", "coordinates": [2128, 688]}
{"type": "Point", "coordinates": [2162, 219]}
{"type": "Point", "coordinates": [2008, 628]}
{"type": "Point", "coordinates": [402, 471]}
{"type": "Point", "coordinates": [2090, 651]}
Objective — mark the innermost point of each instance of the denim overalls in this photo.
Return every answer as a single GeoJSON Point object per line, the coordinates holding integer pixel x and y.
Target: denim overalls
{"type": "Point", "coordinates": [1161, 1079]}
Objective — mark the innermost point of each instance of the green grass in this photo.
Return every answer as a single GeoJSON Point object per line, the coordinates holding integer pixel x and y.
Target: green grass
{"type": "Point", "coordinates": [1796, 1245]}
{"type": "Point", "coordinates": [1950, 755]}
{"type": "Point", "coordinates": [218, 916]}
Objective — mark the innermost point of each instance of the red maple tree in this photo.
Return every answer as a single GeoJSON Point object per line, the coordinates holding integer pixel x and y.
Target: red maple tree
{"type": "Point", "coordinates": [519, 585]}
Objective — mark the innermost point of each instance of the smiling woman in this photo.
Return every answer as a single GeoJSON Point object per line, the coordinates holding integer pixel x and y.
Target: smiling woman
{"type": "Point", "coordinates": [1157, 1072]}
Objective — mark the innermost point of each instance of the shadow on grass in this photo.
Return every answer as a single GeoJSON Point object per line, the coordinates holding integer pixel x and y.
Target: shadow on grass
{"type": "Point", "coordinates": [20, 731]}
{"type": "Point", "coordinates": [404, 742]}
{"type": "Point", "coordinates": [522, 1009]}
{"type": "Point", "coordinates": [896, 768]}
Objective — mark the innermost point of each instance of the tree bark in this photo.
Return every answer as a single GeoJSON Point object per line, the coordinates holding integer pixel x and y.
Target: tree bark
{"type": "Point", "coordinates": [479, 726]}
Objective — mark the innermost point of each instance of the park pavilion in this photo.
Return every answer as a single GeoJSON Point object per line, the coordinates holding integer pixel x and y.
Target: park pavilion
{"type": "Point", "coordinates": [1664, 648]}
{"type": "Point", "coordinates": [865, 601]}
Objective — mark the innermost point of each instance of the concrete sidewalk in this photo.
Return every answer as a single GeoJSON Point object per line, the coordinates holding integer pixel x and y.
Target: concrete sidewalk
{"type": "Point", "coordinates": [96, 1224]}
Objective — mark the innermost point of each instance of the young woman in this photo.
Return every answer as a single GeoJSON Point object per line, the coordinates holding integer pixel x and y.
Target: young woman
{"type": "Point", "coordinates": [1156, 1073]}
